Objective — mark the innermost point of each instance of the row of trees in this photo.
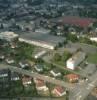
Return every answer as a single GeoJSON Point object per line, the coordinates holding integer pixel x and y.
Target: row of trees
{"type": "Point", "coordinates": [74, 38]}
{"type": "Point", "coordinates": [57, 57]}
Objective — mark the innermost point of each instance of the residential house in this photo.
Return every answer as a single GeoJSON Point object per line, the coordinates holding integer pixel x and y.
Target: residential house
{"type": "Point", "coordinates": [13, 45]}
{"type": "Point", "coordinates": [14, 76]}
{"type": "Point", "coordinates": [26, 80]}
{"type": "Point", "coordinates": [2, 57]}
{"type": "Point", "coordinates": [24, 64]}
{"type": "Point", "coordinates": [55, 73]}
{"type": "Point", "coordinates": [9, 36]}
{"type": "Point", "coordinates": [75, 60]}
{"type": "Point", "coordinates": [9, 61]}
{"type": "Point", "coordinates": [3, 73]}
{"type": "Point", "coordinates": [39, 67]}
{"type": "Point", "coordinates": [40, 85]}
{"type": "Point", "coordinates": [59, 91]}
{"type": "Point", "coordinates": [72, 77]}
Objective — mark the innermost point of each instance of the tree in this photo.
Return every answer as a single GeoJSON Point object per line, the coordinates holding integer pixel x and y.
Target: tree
{"type": "Point", "coordinates": [60, 44]}
{"type": "Point", "coordinates": [2, 26]}
{"type": "Point", "coordinates": [24, 51]}
{"type": "Point", "coordinates": [85, 40]}
{"type": "Point", "coordinates": [65, 42]}
{"type": "Point", "coordinates": [95, 24]}
{"type": "Point", "coordinates": [66, 55]}
{"type": "Point", "coordinates": [39, 60]}
{"type": "Point", "coordinates": [72, 37]}
{"type": "Point", "coordinates": [57, 57]}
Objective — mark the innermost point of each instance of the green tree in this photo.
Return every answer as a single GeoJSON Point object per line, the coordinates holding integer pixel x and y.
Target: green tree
{"type": "Point", "coordinates": [24, 51]}
{"type": "Point", "coordinates": [85, 40]}
{"type": "Point", "coordinates": [57, 57]}
{"type": "Point", "coordinates": [72, 37]}
{"type": "Point", "coordinates": [95, 24]}
{"type": "Point", "coordinates": [66, 55]}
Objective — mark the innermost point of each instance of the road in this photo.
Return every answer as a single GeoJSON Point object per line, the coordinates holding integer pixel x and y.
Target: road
{"type": "Point", "coordinates": [85, 47]}
{"type": "Point", "coordinates": [80, 92]}
{"type": "Point", "coordinates": [3, 67]}
{"type": "Point", "coordinates": [77, 92]}
{"type": "Point", "coordinates": [36, 75]}
{"type": "Point", "coordinates": [89, 69]}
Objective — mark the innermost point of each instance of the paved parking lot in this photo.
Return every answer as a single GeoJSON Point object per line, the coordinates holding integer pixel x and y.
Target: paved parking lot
{"type": "Point", "coordinates": [85, 47]}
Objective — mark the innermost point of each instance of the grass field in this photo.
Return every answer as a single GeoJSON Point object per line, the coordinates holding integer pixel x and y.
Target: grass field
{"type": "Point", "coordinates": [92, 58]}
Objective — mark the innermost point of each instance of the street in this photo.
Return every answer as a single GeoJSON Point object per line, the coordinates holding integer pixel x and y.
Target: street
{"type": "Point", "coordinates": [38, 76]}
{"type": "Point", "coordinates": [81, 92]}
{"type": "Point", "coordinates": [77, 92]}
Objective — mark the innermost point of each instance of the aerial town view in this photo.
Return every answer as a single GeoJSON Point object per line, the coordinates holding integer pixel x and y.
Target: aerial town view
{"type": "Point", "coordinates": [48, 49]}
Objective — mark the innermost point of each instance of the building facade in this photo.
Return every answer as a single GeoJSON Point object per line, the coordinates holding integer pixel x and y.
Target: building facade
{"type": "Point", "coordinates": [75, 60]}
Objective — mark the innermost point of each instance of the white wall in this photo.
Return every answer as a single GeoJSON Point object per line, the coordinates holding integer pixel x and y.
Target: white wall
{"type": "Point", "coordinates": [70, 65]}
{"type": "Point", "coordinates": [73, 63]}
{"type": "Point", "coordinates": [41, 44]}
{"type": "Point", "coordinates": [93, 39]}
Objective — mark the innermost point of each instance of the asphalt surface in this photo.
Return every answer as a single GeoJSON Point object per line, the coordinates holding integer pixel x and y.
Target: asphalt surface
{"type": "Point", "coordinates": [80, 92]}
{"type": "Point", "coordinates": [89, 70]}
{"type": "Point", "coordinates": [85, 47]}
{"type": "Point", "coordinates": [3, 67]}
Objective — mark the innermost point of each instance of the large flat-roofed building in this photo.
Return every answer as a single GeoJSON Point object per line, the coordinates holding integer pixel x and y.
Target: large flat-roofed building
{"type": "Point", "coordinates": [40, 39]}
{"type": "Point", "coordinates": [8, 36]}
{"type": "Point", "coordinates": [75, 60]}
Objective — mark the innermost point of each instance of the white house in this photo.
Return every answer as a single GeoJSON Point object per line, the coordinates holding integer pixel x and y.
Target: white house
{"type": "Point", "coordinates": [10, 61]}
{"type": "Point", "coordinates": [93, 39]}
{"type": "Point", "coordinates": [75, 60]}
{"type": "Point", "coordinates": [55, 73]}
{"type": "Point", "coordinates": [39, 67]}
{"type": "Point", "coordinates": [23, 64]}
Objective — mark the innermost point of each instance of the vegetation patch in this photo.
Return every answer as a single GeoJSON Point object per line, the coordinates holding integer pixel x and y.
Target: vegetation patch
{"type": "Point", "coordinates": [92, 58]}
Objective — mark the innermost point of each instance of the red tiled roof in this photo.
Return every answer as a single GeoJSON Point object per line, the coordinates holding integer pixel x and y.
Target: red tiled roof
{"type": "Point", "coordinates": [77, 21]}
{"type": "Point", "coordinates": [59, 89]}
{"type": "Point", "coordinates": [72, 76]}
{"type": "Point", "coordinates": [39, 83]}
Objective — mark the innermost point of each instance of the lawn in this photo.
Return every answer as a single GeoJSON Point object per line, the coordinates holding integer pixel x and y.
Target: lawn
{"type": "Point", "coordinates": [62, 63]}
{"type": "Point", "coordinates": [92, 58]}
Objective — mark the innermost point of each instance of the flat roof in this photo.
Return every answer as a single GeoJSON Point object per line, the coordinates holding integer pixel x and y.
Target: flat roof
{"type": "Point", "coordinates": [76, 56]}
{"type": "Point", "coordinates": [43, 38]}
{"type": "Point", "coordinates": [8, 35]}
